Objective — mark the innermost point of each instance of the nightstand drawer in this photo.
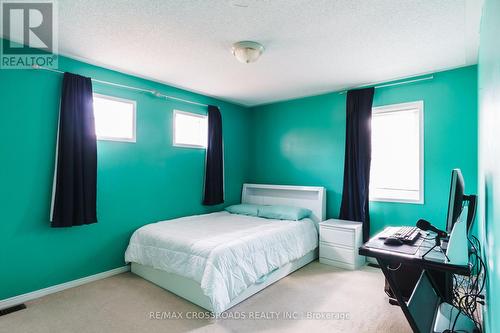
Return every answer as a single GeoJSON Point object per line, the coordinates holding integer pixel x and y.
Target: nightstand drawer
{"type": "Point", "coordinates": [336, 253]}
{"type": "Point", "coordinates": [337, 236]}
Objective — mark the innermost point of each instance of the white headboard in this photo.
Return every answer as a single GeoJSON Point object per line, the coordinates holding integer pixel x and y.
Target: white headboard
{"type": "Point", "coordinates": [310, 197]}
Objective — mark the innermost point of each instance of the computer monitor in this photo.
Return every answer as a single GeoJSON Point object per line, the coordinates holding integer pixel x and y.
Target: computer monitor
{"type": "Point", "coordinates": [456, 199]}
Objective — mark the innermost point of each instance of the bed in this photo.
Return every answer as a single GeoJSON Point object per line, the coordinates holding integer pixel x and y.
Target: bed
{"type": "Point", "coordinates": [218, 260]}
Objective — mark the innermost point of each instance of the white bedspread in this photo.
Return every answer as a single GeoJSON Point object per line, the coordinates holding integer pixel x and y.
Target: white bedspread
{"type": "Point", "coordinates": [226, 253]}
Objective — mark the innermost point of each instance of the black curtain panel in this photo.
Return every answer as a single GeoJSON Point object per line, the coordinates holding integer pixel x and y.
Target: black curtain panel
{"type": "Point", "coordinates": [75, 178]}
{"type": "Point", "coordinates": [358, 152]}
{"type": "Point", "coordinates": [214, 169]}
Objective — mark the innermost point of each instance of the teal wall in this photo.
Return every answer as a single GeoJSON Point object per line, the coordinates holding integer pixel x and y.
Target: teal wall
{"type": "Point", "coordinates": [489, 156]}
{"type": "Point", "coordinates": [294, 142]}
{"type": "Point", "coordinates": [138, 183]}
{"type": "Point", "coordinates": [301, 142]}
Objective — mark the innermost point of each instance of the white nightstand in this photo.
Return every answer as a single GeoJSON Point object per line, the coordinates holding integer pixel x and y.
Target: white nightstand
{"type": "Point", "coordinates": [339, 241]}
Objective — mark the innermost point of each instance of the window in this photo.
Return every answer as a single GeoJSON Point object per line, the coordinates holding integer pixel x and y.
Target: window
{"type": "Point", "coordinates": [114, 118]}
{"type": "Point", "coordinates": [397, 167]}
{"type": "Point", "coordinates": [190, 130]}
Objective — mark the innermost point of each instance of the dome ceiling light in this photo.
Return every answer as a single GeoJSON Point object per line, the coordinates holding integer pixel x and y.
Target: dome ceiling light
{"type": "Point", "coordinates": [247, 51]}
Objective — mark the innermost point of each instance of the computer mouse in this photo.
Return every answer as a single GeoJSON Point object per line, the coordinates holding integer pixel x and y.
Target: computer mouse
{"type": "Point", "coordinates": [393, 241]}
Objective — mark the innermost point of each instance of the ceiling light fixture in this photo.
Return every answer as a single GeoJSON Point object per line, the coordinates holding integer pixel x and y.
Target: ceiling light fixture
{"type": "Point", "coordinates": [247, 51]}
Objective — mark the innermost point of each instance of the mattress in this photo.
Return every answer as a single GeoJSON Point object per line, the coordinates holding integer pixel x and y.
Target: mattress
{"type": "Point", "coordinates": [225, 253]}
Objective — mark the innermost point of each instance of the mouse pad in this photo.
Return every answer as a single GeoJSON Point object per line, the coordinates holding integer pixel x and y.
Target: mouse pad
{"type": "Point", "coordinates": [376, 243]}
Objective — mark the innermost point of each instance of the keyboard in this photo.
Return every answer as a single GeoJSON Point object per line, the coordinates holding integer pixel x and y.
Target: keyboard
{"type": "Point", "coordinates": [407, 235]}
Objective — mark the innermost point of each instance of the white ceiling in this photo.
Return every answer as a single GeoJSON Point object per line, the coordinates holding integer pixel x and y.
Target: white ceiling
{"type": "Point", "coordinates": [312, 46]}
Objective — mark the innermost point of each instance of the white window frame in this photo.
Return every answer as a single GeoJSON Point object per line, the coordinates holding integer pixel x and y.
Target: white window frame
{"type": "Point", "coordinates": [419, 105]}
{"type": "Point", "coordinates": [134, 114]}
{"type": "Point", "coordinates": [192, 114]}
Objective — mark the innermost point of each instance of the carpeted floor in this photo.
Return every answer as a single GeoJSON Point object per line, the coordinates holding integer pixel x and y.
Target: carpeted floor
{"type": "Point", "coordinates": [126, 303]}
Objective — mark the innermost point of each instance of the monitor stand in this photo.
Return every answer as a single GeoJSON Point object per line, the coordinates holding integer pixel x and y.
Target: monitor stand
{"type": "Point", "coordinates": [458, 247]}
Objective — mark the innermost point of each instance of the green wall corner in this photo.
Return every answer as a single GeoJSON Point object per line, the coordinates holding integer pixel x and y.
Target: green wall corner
{"type": "Point", "coordinates": [489, 157]}
{"type": "Point", "coordinates": [138, 183]}
{"type": "Point", "coordinates": [301, 142]}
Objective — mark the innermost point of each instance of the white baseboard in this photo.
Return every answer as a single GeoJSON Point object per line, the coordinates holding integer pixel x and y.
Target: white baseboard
{"type": "Point", "coordinates": [8, 302]}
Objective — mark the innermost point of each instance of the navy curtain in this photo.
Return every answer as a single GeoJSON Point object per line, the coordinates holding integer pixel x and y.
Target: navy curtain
{"type": "Point", "coordinates": [358, 154]}
{"type": "Point", "coordinates": [214, 169]}
{"type": "Point", "coordinates": [75, 178]}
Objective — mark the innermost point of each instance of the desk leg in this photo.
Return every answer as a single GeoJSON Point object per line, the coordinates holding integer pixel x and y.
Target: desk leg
{"type": "Point", "coordinates": [399, 297]}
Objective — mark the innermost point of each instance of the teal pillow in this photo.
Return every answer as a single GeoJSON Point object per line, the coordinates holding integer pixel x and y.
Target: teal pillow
{"type": "Point", "coordinates": [244, 209]}
{"type": "Point", "coordinates": [284, 212]}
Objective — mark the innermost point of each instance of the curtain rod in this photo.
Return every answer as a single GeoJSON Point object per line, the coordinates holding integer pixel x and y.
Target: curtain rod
{"type": "Point", "coordinates": [374, 85]}
{"type": "Point", "coordinates": [153, 92]}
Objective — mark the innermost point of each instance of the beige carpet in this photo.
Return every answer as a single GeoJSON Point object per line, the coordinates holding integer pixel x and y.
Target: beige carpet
{"type": "Point", "coordinates": [123, 303]}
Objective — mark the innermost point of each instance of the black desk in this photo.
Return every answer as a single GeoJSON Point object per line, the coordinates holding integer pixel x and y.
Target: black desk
{"type": "Point", "coordinates": [387, 256]}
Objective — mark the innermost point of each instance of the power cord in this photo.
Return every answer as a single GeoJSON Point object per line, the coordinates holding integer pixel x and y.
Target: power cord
{"type": "Point", "coordinates": [467, 291]}
{"type": "Point", "coordinates": [394, 269]}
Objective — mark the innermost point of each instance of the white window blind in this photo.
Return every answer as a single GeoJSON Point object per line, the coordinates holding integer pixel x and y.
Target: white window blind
{"type": "Point", "coordinates": [397, 153]}
{"type": "Point", "coordinates": [190, 130]}
{"type": "Point", "coordinates": [114, 118]}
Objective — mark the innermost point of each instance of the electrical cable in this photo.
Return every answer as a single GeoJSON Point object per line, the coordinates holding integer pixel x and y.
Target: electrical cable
{"type": "Point", "coordinates": [468, 295]}
{"type": "Point", "coordinates": [394, 269]}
